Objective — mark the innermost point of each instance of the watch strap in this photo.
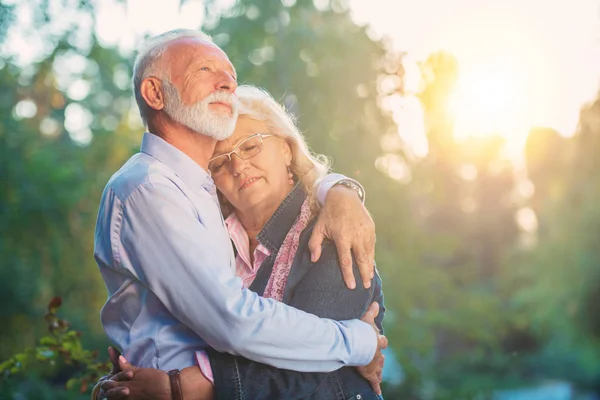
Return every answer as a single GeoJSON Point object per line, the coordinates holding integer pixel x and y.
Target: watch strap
{"type": "Point", "coordinates": [175, 382]}
{"type": "Point", "coordinates": [353, 185]}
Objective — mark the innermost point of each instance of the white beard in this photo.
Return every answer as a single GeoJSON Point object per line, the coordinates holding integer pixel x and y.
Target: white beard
{"type": "Point", "coordinates": [198, 117]}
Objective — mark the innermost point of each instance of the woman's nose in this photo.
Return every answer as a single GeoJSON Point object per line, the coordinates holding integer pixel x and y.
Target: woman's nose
{"type": "Point", "coordinates": [238, 165]}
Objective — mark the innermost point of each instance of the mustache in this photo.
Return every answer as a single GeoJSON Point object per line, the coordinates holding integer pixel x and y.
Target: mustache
{"type": "Point", "coordinates": [222, 96]}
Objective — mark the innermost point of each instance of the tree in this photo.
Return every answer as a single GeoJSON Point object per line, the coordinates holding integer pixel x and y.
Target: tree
{"type": "Point", "coordinates": [560, 284]}
{"type": "Point", "coordinates": [52, 179]}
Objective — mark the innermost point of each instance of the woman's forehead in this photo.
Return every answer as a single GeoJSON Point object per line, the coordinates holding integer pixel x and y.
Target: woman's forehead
{"type": "Point", "coordinates": [244, 128]}
{"type": "Point", "coordinates": [246, 125]}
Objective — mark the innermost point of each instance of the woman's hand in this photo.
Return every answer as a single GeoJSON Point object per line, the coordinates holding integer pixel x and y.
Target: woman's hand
{"type": "Point", "coordinates": [137, 383]}
{"type": "Point", "coordinates": [113, 354]}
{"type": "Point", "coordinates": [153, 384]}
{"type": "Point", "coordinates": [346, 221]}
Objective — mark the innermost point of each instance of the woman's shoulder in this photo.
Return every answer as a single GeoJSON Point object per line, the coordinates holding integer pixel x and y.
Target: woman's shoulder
{"type": "Point", "coordinates": [328, 251]}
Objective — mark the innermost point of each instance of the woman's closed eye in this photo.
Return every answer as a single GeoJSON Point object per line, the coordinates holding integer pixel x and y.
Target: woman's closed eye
{"type": "Point", "coordinates": [218, 164]}
{"type": "Point", "coordinates": [249, 147]}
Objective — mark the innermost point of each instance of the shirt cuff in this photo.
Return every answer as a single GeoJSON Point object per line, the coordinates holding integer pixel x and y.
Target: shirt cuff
{"type": "Point", "coordinates": [204, 364]}
{"type": "Point", "coordinates": [363, 342]}
{"type": "Point", "coordinates": [327, 182]}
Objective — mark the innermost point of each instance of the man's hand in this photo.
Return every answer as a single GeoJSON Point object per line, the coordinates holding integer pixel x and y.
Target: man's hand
{"type": "Point", "coordinates": [346, 221]}
{"type": "Point", "coordinates": [137, 383]}
{"type": "Point", "coordinates": [372, 372]}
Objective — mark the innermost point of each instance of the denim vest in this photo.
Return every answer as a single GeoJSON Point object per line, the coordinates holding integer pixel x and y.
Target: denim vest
{"type": "Point", "coordinates": [317, 288]}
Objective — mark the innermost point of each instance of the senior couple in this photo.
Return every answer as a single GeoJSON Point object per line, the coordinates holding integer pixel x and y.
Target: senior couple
{"type": "Point", "coordinates": [212, 242]}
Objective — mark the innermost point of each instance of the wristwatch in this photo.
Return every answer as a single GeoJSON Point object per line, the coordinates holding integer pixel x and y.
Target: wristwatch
{"type": "Point", "coordinates": [175, 382]}
{"type": "Point", "coordinates": [352, 184]}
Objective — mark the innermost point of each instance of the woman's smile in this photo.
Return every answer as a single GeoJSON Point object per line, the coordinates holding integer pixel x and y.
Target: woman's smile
{"type": "Point", "coordinates": [249, 182]}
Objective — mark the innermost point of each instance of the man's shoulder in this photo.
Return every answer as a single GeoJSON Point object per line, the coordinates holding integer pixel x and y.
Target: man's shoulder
{"type": "Point", "coordinates": [140, 170]}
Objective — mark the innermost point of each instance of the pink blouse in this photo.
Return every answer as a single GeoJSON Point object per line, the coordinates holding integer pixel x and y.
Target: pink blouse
{"type": "Point", "coordinates": [244, 269]}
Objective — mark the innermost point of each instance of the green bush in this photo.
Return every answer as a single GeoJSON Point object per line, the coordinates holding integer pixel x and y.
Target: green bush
{"type": "Point", "coordinates": [57, 368]}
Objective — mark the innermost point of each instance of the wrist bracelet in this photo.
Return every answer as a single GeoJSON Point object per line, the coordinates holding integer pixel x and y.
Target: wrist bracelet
{"type": "Point", "coordinates": [175, 382]}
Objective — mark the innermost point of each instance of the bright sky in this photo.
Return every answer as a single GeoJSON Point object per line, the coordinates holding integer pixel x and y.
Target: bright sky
{"type": "Point", "coordinates": [539, 59]}
{"type": "Point", "coordinates": [522, 62]}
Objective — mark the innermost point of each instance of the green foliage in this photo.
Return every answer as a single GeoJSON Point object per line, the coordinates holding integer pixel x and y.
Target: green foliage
{"type": "Point", "coordinates": [58, 356]}
{"type": "Point", "coordinates": [562, 280]}
{"type": "Point", "coordinates": [474, 303]}
{"type": "Point", "coordinates": [51, 183]}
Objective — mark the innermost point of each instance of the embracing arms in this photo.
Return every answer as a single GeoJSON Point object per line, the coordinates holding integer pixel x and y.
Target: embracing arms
{"type": "Point", "coordinates": [176, 262]}
{"type": "Point", "coordinates": [345, 220]}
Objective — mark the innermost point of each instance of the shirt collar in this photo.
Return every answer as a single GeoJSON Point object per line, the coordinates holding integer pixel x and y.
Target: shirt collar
{"type": "Point", "coordinates": [273, 233]}
{"type": "Point", "coordinates": [183, 166]}
{"type": "Point", "coordinates": [239, 237]}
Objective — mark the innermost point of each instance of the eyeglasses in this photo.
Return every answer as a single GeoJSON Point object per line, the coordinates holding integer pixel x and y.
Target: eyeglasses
{"type": "Point", "coordinates": [246, 149]}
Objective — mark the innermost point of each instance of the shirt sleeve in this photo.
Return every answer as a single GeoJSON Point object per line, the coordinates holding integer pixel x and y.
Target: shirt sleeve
{"type": "Point", "coordinates": [327, 182]}
{"type": "Point", "coordinates": [164, 245]}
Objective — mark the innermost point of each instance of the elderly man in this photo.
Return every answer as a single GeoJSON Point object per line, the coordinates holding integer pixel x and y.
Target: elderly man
{"type": "Point", "coordinates": [166, 257]}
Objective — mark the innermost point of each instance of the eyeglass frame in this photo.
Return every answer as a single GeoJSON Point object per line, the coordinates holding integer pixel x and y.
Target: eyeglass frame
{"type": "Point", "coordinates": [262, 136]}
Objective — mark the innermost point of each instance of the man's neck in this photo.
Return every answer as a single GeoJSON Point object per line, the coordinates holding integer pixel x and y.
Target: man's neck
{"type": "Point", "coordinates": [198, 147]}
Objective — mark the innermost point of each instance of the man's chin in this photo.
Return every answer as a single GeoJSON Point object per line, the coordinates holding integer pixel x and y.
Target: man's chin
{"type": "Point", "coordinates": [219, 134]}
{"type": "Point", "coordinates": [220, 127]}
{"type": "Point", "coordinates": [221, 110]}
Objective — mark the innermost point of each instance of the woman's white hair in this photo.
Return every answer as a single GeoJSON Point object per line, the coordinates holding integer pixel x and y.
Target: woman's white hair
{"type": "Point", "coordinates": [147, 63]}
{"type": "Point", "coordinates": [306, 166]}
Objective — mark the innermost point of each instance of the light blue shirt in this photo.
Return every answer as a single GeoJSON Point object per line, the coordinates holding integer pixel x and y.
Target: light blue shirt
{"type": "Point", "coordinates": [168, 264]}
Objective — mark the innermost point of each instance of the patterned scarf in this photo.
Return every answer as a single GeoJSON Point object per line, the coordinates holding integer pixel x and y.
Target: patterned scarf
{"type": "Point", "coordinates": [285, 257]}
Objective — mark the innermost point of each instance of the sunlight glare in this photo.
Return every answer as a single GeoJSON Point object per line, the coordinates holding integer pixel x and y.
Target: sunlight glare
{"type": "Point", "coordinates": [560, 65]}
{"type": "Point", "coordinates": [489, 100]}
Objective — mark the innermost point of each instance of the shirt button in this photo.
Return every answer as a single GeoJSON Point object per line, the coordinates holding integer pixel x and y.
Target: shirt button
{"type": "Point", "coordinates": [358, 397]}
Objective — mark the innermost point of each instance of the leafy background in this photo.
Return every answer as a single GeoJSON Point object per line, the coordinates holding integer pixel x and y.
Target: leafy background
{"type": "Point", "coordinates": [476, 303]}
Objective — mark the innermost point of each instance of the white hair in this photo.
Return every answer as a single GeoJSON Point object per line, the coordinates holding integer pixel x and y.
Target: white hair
{"type": "Point", "coordinates": [198, 117]}
{"type": "Point", "coordinates": [147, 62]}
{"type": "Point", "coordinates": [306, 166]}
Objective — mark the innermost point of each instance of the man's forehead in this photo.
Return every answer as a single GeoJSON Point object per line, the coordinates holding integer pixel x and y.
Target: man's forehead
{"type": "Point", "coordinates": [187, 49]}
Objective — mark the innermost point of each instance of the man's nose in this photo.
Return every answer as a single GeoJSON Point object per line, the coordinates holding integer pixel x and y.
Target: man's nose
{"type": "Point", "coordinates": [226, 82]}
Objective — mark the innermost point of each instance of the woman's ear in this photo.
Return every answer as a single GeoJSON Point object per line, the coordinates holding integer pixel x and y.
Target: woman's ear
{"type": "Point", "coordinates": [286, 149]}
{"type": "Point", "coordinates": [152, 92]}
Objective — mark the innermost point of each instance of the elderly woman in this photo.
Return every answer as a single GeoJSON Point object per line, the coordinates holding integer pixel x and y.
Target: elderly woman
{"type": "Point", "coordinates": [265, 175]}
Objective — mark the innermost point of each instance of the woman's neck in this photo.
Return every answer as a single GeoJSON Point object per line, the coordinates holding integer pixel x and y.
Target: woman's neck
{"type": "Point", "coordinates": [255, 218]}
{"type": "Point", "coordinates": [253, 222]}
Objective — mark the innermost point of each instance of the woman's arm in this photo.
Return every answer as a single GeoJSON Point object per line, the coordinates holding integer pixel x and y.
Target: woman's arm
{"type": "Point", "coordinates": [153, 384]}
{"type": "Point", "coordinates": [317, 288]}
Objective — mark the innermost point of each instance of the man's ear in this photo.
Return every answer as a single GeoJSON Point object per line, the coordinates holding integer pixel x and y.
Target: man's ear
{"type": "Point", "coordinates": [152, 91]}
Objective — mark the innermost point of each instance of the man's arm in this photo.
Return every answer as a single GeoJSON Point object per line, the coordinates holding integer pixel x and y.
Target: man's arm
{"type": "Point", "coordinates": [160, 225]}
{"type": "Point", "coordinates": [345, 220]}
{"type": "Point", "coordinates": [322, 186]}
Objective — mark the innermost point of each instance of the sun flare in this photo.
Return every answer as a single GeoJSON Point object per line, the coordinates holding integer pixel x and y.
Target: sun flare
{"type": "Point", "coordinates": [489, 100]}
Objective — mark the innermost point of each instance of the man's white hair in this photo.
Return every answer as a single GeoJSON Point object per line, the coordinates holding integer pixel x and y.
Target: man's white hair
{"type": "Point", "coordinates": [147, 62]}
